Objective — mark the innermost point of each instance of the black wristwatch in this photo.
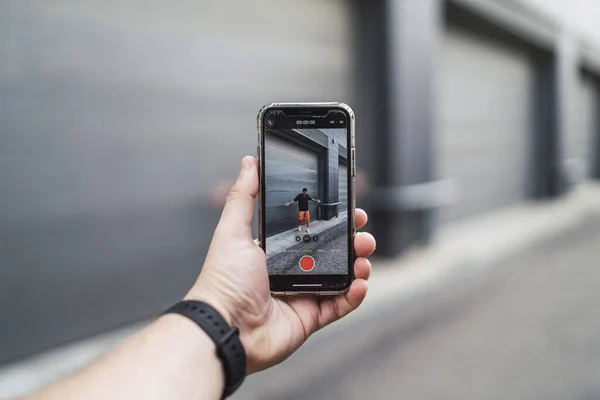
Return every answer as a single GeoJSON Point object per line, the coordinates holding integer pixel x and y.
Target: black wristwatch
{"type": "Point", "coordinates": [229, 347]}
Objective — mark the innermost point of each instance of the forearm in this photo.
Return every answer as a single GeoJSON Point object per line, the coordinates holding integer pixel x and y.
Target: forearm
{"type": "Point", "coordinates": [170, 359]}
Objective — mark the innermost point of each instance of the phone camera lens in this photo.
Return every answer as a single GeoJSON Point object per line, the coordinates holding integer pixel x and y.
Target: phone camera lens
{"type": "Point", "coordinates": [270, 122]}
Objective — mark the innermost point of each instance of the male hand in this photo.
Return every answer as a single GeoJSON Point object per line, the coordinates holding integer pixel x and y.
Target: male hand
{"type": "Point", "coordinates": [234, 280]}
{"type": "Point", "coordinates": [287, 204]}
{"type": "Point", "coordinates": [318, 201]}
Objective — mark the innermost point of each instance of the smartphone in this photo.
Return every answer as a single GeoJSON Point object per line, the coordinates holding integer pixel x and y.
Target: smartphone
{"type": "Point", "coordinates": [306, 206]}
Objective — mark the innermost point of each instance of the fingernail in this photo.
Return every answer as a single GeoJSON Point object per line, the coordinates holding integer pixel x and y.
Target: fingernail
{"type": "Point", "coordinates": [247, 164]}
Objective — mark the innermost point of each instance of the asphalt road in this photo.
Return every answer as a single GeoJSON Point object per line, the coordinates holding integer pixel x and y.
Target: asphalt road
{"type": "Point", "coordinates": [329, 251]}
{"type": "Point", "coordinates": [526, 329]}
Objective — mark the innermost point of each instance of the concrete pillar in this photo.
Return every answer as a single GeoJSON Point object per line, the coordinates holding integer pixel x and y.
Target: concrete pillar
{"type": "Point", "coordinates": [397, 50]}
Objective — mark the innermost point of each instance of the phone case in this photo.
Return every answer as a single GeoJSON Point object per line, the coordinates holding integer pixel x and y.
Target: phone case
{"type": "Point", "coordinates": [352, 197]}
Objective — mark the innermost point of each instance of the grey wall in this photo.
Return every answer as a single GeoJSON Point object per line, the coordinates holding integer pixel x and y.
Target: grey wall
{"type": "Point", "coordinates": [337, 147]}
{"type": "Point", "coordinates": [485, 120]}
{"type": "Point", "coordinates": [343, 185]}
{"type": "Point", "coordinates": [470, 118]}
{"type": "Point", "coordinates": [117, 120]}
{"type": "Point", "coordinates": [293, 161]}
{"type": "Point", "coordinates": [585, 135]}
{"type": "Point", "coordinates": [297, 158]}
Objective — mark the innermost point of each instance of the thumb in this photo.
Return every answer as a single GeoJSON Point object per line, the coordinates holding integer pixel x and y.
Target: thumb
{"type": "Point", "coordinates": [239, 206]}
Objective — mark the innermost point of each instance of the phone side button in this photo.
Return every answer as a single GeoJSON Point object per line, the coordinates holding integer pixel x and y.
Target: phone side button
{"type": "Point", "coordinates": [353, 163]}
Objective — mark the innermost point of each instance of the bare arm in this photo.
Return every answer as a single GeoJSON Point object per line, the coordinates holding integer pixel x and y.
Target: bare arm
{"type": "Point", "coordinates": [290, 202]}
{"type": "Point", "coordinates": [313, 200]}
{"type": "Point", "coordinates": [172, 358]}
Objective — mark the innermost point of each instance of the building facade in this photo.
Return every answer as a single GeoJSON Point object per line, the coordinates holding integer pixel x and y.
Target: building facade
{"type": "Point", "coordinates": [117, 122]}
{"type": "Point", "coordinates": [314, 159]}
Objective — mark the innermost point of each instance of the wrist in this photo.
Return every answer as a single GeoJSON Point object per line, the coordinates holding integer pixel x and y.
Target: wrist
{"type": "Point", "coordinates": [225, 338]}
{"type": "Point", "coordinates": [214, 300]}
{"type": "Point", "coordinates": [195, 352]}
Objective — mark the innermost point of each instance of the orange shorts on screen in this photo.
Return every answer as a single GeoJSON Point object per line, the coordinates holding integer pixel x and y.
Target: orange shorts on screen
{"type": "Point", "coordinates": [304, 215]}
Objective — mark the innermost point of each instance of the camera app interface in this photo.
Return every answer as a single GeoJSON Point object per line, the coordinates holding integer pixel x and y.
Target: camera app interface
{"type": "Point", "coordinates": [306, 175]}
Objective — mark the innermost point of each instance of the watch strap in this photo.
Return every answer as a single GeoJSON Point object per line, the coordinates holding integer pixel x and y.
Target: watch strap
{"type": "Point", "coordinates": [229, 347]}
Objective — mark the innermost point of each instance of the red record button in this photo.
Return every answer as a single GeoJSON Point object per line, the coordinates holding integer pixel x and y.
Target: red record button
{"type": "Point", "coordinates": [307, 263]}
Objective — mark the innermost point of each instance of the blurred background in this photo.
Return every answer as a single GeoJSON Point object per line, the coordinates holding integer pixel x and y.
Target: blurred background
{"type": "Point", "coordinates": [122, 125]}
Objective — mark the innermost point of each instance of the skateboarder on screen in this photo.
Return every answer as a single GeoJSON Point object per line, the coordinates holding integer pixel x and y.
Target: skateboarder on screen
{"type": "Point", "coordinates": [303, 213]}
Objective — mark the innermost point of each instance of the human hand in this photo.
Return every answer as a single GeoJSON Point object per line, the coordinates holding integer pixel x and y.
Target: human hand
{"type": "Point", "coordinates": [234, 281]}
{"type": "Point", "coordinates": [287, 204]}
{"type": "Point", "coordinates": [318, 201]}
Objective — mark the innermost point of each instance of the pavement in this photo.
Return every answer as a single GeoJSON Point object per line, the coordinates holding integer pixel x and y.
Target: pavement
{"type": "Point", "coordinates": [500, 306]}
{"type": "Point", "coordinates": [280, 242]}
{"type": "Point", "coordinates": [527, 327]}
{"type": "Point", "coordinates": [329, 249]}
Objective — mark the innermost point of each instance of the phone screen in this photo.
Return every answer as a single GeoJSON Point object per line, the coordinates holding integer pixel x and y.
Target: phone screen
{"type": "Point", "coordinates": [306, 177]}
